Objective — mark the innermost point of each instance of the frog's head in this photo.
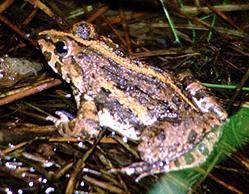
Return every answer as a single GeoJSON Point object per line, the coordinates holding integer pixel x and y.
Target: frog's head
{"type": "Point", "coordinates": [61, 50]}
{"type": "Point", "coordinates": [56, 48]}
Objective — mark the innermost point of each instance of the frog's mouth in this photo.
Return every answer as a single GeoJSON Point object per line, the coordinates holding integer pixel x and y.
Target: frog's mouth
{"type": "Point", "coordinates": [47, 49]}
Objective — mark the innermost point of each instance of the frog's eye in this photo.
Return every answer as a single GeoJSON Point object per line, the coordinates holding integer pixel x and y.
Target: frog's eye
{"type": "Point", "coordinates": [61, 48]}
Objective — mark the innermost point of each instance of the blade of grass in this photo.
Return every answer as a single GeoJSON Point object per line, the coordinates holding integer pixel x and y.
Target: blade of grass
{"type": "Point", "coordinates": [171, 24]}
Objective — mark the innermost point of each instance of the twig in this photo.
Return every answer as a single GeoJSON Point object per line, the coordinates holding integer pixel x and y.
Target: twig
{"type": "Point", "coordinates": [29, 90]}
{"type": "Point", "coordinates": [224, 8]}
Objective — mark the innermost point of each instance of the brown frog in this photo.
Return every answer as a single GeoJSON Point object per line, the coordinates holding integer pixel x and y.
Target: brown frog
{"type": "Point", "coordinates": [173, 118]}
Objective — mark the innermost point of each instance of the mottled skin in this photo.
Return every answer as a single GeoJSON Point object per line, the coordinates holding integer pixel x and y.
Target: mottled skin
{"type": "Point", "coordinates": [170, 115]}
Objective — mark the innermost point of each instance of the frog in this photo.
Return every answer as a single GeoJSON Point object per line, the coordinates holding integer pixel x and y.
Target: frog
{"type": "Point", "coordinates": [173, 118]}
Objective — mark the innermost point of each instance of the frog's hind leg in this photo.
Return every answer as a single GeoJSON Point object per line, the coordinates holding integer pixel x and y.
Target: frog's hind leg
{"type": "Point", "coordinates": [201, 96]}
{"type": "Point", "coordinates": [143, 169]}
{"type": "Point", "coordinates": [195, 157]}
{"type": "Point", "coordinates": [199, 153]}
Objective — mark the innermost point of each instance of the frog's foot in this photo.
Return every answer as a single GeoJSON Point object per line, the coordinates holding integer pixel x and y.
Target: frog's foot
{"type": "Point", "coordinates": [195, 157]}
{"type": "Point", "coordinates": [67, 126]}
{"type": "Point", "coordinates": [63, 123]}
{"type": "Point", "coordinates": [144, 169]}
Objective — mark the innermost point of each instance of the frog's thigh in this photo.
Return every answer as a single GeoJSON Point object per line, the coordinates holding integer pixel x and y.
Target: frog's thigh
{"type": "Point", "coordinates": [199, 154]}
{"type": "Point", "coordinates": [86, 123]}
{"type": "Point", "coordinates": [201, 96]}
{"type": "Point", "coordinates": [191, 159]}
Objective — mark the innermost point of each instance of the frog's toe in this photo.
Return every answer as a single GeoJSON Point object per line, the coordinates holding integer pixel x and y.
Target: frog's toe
{"type": "Point", "coordinates": [143, 169]}
{"type": "Point", "coordinates": [62, 123]}
{"type": "Point", "coordinates": [63, 118]}
{"type": "Point", "coordinates": [53, 119]}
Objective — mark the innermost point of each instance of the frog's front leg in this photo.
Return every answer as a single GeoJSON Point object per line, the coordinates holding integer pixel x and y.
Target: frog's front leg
{"type": "Point", "coordinates": [86, 123]}
{"type": "Point", "coordinates": [63, 124]}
